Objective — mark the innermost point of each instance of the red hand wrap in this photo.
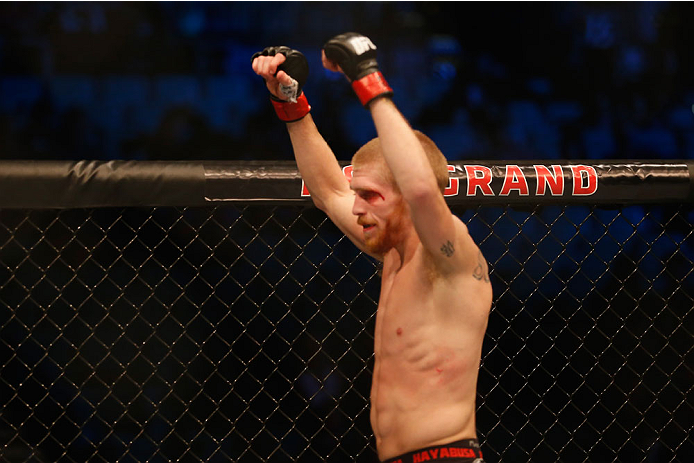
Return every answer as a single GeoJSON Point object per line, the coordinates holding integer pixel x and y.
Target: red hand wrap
{"type": "Point", "coordinates": [291, 112]}
{"type": "Point", "coordinates": [371, 86]}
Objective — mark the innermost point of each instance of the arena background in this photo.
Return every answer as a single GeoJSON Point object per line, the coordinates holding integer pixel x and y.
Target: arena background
{"type": "Point", "coordinates": [171, 81]}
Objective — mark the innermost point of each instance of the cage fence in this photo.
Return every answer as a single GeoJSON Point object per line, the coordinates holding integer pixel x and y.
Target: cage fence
{"type": "Point", "coordinates": [244, 332]}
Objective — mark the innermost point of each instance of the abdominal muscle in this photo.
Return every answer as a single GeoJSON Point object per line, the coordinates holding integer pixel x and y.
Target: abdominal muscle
{"type": "Point", "coordinates": [419, 402]}
{"type": "Point", "coordinates": [425, 374]}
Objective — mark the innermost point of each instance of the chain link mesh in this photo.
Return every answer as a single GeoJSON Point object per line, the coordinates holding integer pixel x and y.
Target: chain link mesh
{"type": "Point", "coordinates": [245, 333]}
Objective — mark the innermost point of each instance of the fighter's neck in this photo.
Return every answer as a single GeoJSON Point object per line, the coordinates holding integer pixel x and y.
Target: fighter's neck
{"type": "Point", "coordinates": [405, 249]}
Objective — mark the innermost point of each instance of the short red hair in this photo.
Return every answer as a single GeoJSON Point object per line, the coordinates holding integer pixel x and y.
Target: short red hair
{"type": "Point", "coordinates": [371, 153]}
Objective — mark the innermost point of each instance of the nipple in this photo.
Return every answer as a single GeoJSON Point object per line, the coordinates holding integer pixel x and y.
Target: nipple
{"type": "Point", "coordinates": [399, 331]}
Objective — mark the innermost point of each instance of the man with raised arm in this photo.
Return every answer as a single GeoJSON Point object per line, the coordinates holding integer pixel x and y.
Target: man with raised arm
{"type": "Point", "coordinates": [435, 290]}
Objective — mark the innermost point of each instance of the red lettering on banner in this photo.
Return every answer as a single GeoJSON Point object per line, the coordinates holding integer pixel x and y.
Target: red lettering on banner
{"type": "Point", "coordinates": [444, 452]}
{"type": "Point", "coordinates": [479, 177]}
{"type": "Point", "coordinates": [453, 184]}
{"type": "Point", "coordinates": [468, 453]}
{"type": "Point", "coordinates": [304, 189]}
{"type": "Point", "coordinates": [545, 178]}
{"type": "Point", "coordinates": [585, 180]}
{"type": "Point", "coordinates": [514, 180]}
{"type": "Point", "coordinates": [347, 170]}
{"type": "Point", "coordinates": [434, 453]}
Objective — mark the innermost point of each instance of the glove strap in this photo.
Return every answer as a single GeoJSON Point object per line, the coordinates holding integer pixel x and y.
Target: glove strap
{"type": "Point", "coordinates": [370, 87]}
{"type": "Point", "coordinates": [291, 112]}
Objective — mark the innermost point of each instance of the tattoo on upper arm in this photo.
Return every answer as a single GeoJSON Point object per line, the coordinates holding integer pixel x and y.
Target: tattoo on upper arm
{"type": "Point", "coordinates": [447, 249]}
{"type": "Point", "coordinates": [481, 271]}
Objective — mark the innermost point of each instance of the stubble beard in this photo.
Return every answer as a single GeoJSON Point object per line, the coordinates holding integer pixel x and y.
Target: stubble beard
{"type": "Point", "coordinates": [388, 237]}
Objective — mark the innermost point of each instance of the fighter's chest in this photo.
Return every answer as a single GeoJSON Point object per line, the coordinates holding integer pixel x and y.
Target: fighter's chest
{"type": "Point", "coordinates": [403, 277]}
{"type": "Point", "coordinates": [408, 295]}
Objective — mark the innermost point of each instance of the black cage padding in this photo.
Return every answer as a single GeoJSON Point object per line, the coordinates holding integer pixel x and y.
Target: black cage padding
{"type": "Point", "coordinates": [63, 184]}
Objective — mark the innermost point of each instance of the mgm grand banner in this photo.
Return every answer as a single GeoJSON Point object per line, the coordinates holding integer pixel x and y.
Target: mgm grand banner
{"type": "Point", "coordinates": [64, 184]}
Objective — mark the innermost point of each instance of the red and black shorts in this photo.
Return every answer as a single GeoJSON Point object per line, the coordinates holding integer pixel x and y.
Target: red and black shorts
{"type": "Point", "coordinates": [462, 451]}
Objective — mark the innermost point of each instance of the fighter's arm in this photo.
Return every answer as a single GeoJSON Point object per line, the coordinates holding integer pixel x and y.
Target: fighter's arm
{"type": "Point", "coordinates": [319, 168]}
{"type": "Point", "coordinates": [441, 233]}
{"type": "Point", "coordinates": [326, 183]}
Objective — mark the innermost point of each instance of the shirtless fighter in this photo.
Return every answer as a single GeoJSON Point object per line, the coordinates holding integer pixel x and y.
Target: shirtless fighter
{"type": "Point", "coordinates": [435, 291]}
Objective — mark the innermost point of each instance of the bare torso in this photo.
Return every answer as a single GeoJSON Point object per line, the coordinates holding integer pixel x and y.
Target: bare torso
{"type": "Point", "coordinates": [428, 341]}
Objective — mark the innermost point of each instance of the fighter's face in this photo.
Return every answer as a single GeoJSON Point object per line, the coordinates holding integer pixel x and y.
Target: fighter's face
{"type": "Point", "coordinates": [380, 210]}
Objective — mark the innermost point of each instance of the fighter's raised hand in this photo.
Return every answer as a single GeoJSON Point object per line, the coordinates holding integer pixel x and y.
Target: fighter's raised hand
{"type": "Point", "coordinates": [354, 55]}
{"type": "Point", "coordinates": [285, 72]}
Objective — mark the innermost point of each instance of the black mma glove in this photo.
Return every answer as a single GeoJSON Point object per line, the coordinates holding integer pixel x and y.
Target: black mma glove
{"type": "Point", "coordinates": [356, 56]}
{"type": "Point", "coordinates": [296, 106]}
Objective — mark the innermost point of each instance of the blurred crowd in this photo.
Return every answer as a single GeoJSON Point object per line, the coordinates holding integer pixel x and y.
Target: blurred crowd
{"type": "Point", "coordinates": [487, 80]}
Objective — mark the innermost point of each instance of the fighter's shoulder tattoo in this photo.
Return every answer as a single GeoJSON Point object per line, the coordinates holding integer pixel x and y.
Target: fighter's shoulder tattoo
{"type": "Point", "coordinates": [481, 271]}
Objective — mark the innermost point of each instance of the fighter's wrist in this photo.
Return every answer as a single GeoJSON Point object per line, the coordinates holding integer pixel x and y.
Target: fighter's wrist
{"type": "Point", "coordinates": [291, 112]}
{"type": "Point", "coordinates": [371, 87]}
